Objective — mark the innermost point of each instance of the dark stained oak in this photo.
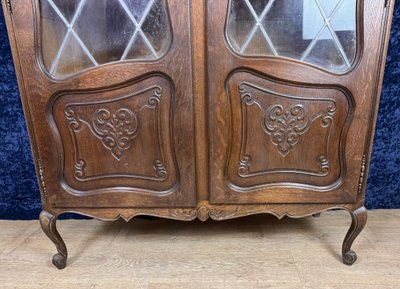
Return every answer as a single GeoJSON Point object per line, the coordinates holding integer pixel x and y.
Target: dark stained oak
{"type": "Point", "coordinates": [197, 132]}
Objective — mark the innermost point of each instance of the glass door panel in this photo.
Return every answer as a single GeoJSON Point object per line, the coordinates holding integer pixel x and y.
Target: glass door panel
{"type": "Point", "coordinates": [79, 34]}
{"type": "Point", "coordinates": [320, 32]}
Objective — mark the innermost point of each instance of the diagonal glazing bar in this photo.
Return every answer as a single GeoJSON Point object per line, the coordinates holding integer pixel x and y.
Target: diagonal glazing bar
{"type": "Point", "coordinates": [253, 31]}
{"type": "Point", "coordinates": [138, 29]}
{"type": "Point", "coordinates": [140, 24]}
{"type": "Point", "coordinates": [315, 39]}
{"type": "Point", "coordinates": [70, 27]}
{"type": "Point", "coordinates": [259, 24]}
{"type": "Point", "coordinates": [332, 31]}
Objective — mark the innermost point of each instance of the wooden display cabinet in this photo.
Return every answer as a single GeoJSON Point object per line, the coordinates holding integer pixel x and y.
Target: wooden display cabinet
{"type": "Point", "coordinates": [200, 109]}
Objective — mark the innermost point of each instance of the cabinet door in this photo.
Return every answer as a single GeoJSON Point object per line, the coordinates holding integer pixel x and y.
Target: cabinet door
{"type": "Point", "coordinates": [107, 87]}
{"type": "Point", "coordinates": [293, 87]}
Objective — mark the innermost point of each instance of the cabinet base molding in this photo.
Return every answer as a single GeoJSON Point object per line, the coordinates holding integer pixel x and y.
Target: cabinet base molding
{"type": "Point", "coordinates": [203, 213]}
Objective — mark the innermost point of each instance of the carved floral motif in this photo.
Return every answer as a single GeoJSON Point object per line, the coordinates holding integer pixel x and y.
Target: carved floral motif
{"type": "Point", "coordinates": [116, 130]}
{"type": "Point", "coordinates": [285, 125]}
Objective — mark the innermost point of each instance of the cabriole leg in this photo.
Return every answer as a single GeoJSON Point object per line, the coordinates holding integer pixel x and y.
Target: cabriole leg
{"type": "Point", "coordinates": [359, 219]}
{"type": "Point", "coordinates": [48, 224]}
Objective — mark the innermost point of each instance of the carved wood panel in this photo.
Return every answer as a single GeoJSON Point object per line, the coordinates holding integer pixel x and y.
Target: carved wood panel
{"type": "Point", "coordinates": [119, 137]}
{"type": "Point", "coordinates": [286, 134]}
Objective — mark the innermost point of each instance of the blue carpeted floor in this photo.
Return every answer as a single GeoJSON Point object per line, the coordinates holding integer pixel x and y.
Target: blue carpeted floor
{"type": "Point", "coordinates": [19, 196]}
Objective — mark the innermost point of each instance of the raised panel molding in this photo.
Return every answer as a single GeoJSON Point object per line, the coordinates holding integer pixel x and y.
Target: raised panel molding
{"type": "Point", "coordinates": [116, 131]}
{"type": "Point", "coordinates": [285, 126]}
{"type": "Point", "coordinates": [118, 124]}
{"type": "Point", "coordinates": [272, 123]}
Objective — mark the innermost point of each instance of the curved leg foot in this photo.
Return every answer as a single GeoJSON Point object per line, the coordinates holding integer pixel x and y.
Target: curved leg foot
{"type": "Point", "coordinates": [48, 224]}
{"type": "Point", "coordinates": [359, 219]}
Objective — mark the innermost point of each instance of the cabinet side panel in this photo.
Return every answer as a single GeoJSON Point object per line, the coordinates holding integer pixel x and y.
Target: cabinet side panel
{"type": "Point", "coordinates": [384, 41]}
{"type": "Point", "coordinates": [22, 90]}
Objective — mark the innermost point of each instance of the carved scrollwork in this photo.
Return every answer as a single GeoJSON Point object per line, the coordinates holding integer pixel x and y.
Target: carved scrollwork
{"type": "Point", "coordinates": [161, 169]}
{"type": "Point", "coordinates": [80, 169]}
{"type": "Point", "coordinates": [182, 214]}
{"type": "Point", "coordinates": [244, 165]}
{"type": "Point", "coordinates": [117, 136]}
{"type": "Point", "coordinates": [203, 213]}
{"type": "Point", "coordinates": [155, 99]}
{"type": "Point", "coordinates": [285, 125]}
{"type": "Point", "coordinates": [73, 121]}
{"type": "Point", "coordinates": [116, 130]}
{"type": "Point", "coordinates": [246, 96]}
{"type": "Point", "coordinates": [324, 164]}
{"type": "Point", "coordinates": [327, 118]}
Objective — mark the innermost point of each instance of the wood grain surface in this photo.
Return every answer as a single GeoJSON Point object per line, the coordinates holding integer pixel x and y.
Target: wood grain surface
{"type": "Point", "coordinates": [240, 253]}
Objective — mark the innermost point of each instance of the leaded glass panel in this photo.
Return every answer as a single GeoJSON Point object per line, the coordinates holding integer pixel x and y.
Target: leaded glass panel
{"type": "Point", "coordinates": [320, 32]}
{"type": "Point", "coordinates": [78, 34]}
